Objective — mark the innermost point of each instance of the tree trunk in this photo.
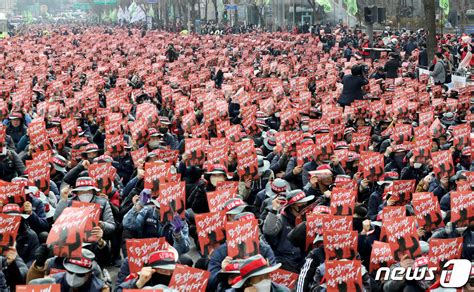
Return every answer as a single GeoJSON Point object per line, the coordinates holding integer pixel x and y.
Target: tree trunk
{"type": "Point", "coordinates": [166, 13]}
{"type": "Point", "coordinates": [214, 3]}
{"type": "Point", "coordinates": [430, 16]}
{"type": "Point", "coordinates": [206, 6]}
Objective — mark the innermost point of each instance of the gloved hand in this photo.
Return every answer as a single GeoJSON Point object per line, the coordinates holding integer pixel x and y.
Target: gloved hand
{"type": "Point", "coordinates": [145, 197]}
{"type": "Point", "coordinates": [42, 254]}
{"type": "Point", "coordinates": [177, 224]}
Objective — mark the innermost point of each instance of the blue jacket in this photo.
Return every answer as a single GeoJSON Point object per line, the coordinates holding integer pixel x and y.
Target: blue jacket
{"type": "Point", "coordinates": [437, 189]}
{"type": "Point", "coordinates": [220, 253]}
{"type": "Point", "coordinates": [146, 224]}
{"type": "Point", "coordinates": [37, 219]}
{"type": "Point", "coordinates": [95, 284]}
{"type": "Point", "coordinates": [375, 200]}
{"type": "Point", "coordinates": [276, 229]}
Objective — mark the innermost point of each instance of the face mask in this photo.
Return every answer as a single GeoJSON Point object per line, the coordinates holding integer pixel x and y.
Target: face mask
{"type": "Point", "coordinates": [216, 179]}
{"type": "Point", "coordinates": [157, 279]}
{"type": "Point", "coordinates": [416, 165]}
{"type": "Point", "coordinates": [154, 144]}
{"type": "Point", "coordinates": [263, 286]}
{"type": "Point", "coordinates": [74, 280]}
{"type": "Point", "coordinates": [163, 130]}
{"type": "Point", "coordinates": [86, 197]}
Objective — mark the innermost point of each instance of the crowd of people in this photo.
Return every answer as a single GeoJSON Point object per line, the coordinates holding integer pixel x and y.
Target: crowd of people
{"type": "Point", "coordinates": [322, 160]}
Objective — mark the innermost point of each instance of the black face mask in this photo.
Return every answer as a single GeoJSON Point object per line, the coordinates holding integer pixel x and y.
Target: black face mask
{"type": "Point", "coordinates": [465, 162]}
{"type": "Point", "coordinates": [163, 130]}
{"type": "Point", "coordinates": [357, 224]}
{"type": "Point", "coordinates": [158, 279]}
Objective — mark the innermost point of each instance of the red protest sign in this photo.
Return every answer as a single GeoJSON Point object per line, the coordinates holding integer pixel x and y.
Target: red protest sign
{"type": "Point", "coordinates": [68, 231]}
{"type": "Point", "coordinates": [218, 155]}
{"type": "Point", "coordinates": [156, 173]}
{"type": "Point", "coordinates": [359, 142]}
{"type": "Point", "coordinates": [8, 229]}
{"type": "Point", "coordinates": [139, 250]}
{"type": "Point", "coordinates": [442, 164]}
{"type": "Point", "coordinates": [341, 223]}
{"type": "Point", "coordinates": [211, 230]}
{"type": "Point", "coordinates": [461, 134]}
{"type": "Point", "coordinates": [92, 220]}
{"type": "Point", "coordinates": [381, 256]}
{"type": "Point", "coordinates": [401, 133]}
{"type": "Point", "coordinates": [226, 185]}
{"type": "Point", "coordinates": [402, 191]}
{"type": "Point", "coordinates": [39, 176]}
{"type": "Point", "coordinates": [422, 149]}
{"type": "Point", "coordinates": [247, 164]}
{"type": "Point", "coordinates": [217, 199]}
{"type": "Point", "coordinates": [403, 237]}
{"type": "Point", "coordinates": [11, 193]}
{"type": "Point", "coordinates": [324, 147]}
{"type": "Point", "coordinates": [443, 250]}
{"type": "Point", "coordinates": [343, 276]}
{"type": "Point", "coordinates": [172, 200]}
{"type": "Point", "coordinates": [69, 127]}
{"type": "Point", "coordinates": [462, 208]}
{"type": "Point", "coordinates": [304, 153]}
{"type": "Point", "coordinates": [189, 279]}
{"type": "Point", "coordinates": [114, 144]}
{"type": "Point", "coordinates": [342, 201]}
{"type": "Point", "coordinates": [167, 155]}
{"type": "Point", "coordinates": [371, 165]}
{"type": "Point", "coordinates": [139, 155]}
{"type": "Point", "coordinates": [195, 151]}
{"type": "Point", "coordinates": [340, 244]}
{"type": "Point", "coordinates": [38, 135]}
{"type": "Point", "coordinates": [284, 278]}
{"type": "Point", "coordinates": [39, 288]}
{"type": "Point", "coordinates": [104, 175]}
{"type": "Point", "coordinates": [242, 238]}
{"type": "Point", "coordinates": [427, 211]}
{"type": "Point", "coordinates": [314, 226]}
{"type": "Point", "coordinates": [391, 212]}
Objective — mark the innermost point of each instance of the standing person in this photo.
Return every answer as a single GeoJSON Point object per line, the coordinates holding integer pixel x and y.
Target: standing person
{"type": "Point", "coordinates": [439, 70]}
{"type": "Point", "coordinates": [392, 66]}
{"type": "Point", "coordinates": [348, 52]}
{"type": "Point", "coordinates": [352, 86]}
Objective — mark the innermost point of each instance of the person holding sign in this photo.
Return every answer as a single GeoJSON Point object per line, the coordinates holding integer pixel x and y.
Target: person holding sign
{"type": "Point", "coordinates": [157, 271]}
{"type": "Point", "coordinates": [279, 222]}
{"type": "Point", "coordinates": [255, 273]}
{"type": "Point", "coordinates": [144, 220]}
{"type": "Point", "coordinates": [86, 191]}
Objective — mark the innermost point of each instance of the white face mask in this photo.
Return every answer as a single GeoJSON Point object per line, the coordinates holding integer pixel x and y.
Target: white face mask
{"type": "Point", "coordinates": [215, 179]}
{"type": "Point", "coordinates": [263, 286]}
{"type": "Point", "coordinates": [154, 144]}
{"type": "Point", "coordinates": [86, 197]}
{"type": "Point", "coordinates": [74, 280]}
{"type": "Point", "coordinates": [416, 165]}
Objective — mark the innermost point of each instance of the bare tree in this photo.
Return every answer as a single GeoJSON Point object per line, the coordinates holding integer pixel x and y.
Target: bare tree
{"type": "Point", "coordinates": [259, 6]}
{"type": "Point", "coordinates": [214, 3]}
{"type": "Point", "coordinates": [430, 16]}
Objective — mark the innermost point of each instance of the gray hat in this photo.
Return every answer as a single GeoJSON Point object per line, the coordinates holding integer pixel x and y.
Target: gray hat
{"type": "Point", "coordinates": [80, 265]}
{"type": "Point", "coordinates": [277, 186]}
{"type": "Point", "coordinates": [234, 206]}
